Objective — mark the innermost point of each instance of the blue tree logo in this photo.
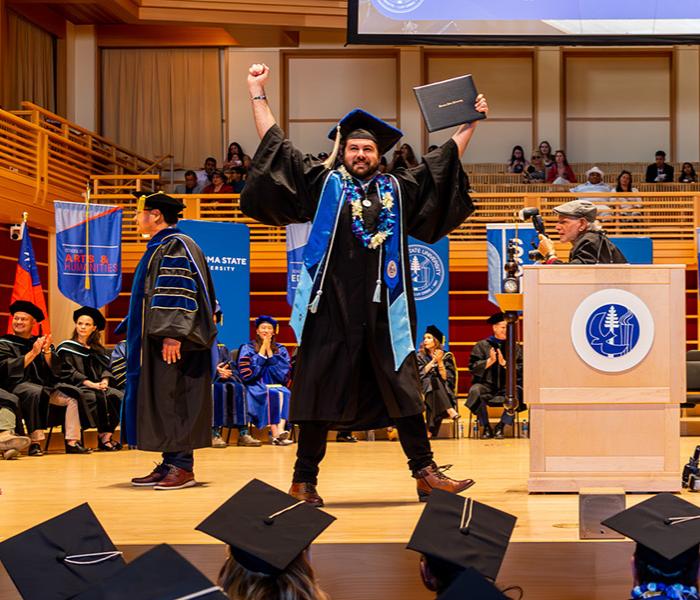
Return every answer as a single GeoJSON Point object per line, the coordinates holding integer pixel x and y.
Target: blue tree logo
{"type": "Point", "coordinates": [612, 330]}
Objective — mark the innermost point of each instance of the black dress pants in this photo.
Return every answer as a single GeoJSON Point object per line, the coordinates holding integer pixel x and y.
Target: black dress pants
{"type": "Point", "coordinates": [313, 437]}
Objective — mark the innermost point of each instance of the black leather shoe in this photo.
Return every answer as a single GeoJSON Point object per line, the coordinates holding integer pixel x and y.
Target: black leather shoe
{"type": "Point", "coordinates": [77, 448]}
{"type": "Point", "coordinates": [498, 433]}
{"type": "Point", "coordinates": [35, 449]}
{"type": "Point", "coordinates": [108, 446]}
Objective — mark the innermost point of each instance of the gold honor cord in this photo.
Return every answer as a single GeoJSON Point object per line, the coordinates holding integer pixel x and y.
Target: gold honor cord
{"type": "Point", "coordinates": [87, 236]}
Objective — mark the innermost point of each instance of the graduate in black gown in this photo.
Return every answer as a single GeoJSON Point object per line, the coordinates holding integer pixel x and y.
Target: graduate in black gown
{"type": "Point", "coordinates": [354, 308]}
{"type": "Point", "coordinates": [85, 364]}
{"type": "Point", "coordinates": [32, 372]}
{"type": "Point", "coordinates": [170, 340]}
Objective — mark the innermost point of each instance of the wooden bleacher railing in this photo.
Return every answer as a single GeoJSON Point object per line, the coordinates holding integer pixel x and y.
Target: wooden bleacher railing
{"type": "Point", "coordinates": [58, 155]}
{"type": "Point", "coordinates": [669, 218]}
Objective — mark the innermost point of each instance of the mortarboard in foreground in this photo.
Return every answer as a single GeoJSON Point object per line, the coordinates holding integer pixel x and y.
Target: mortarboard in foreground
{"type": "Point", "coordinates": [159, 574]}
{"type": "Point", "coordinates": [61, 557]}
{"type": "Point", "coordinates": [266, 528]}
{"type": "Point", "coordinates": [463, 532]}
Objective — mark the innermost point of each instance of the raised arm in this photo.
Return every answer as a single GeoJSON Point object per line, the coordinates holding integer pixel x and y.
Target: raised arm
{"type": "Point", "coordinates": [465, 132]}
{"type": "Point", "coordinates": [264, 119]}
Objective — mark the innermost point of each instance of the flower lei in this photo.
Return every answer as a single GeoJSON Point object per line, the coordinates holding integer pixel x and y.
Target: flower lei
{"type": "Point", "coordinates": [387, 218]}
{"type": "Point", "coordinates": [660, 590]}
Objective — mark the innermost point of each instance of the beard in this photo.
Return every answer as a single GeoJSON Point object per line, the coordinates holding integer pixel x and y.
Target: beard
{"type": "Point", "coordinates": [362, 168]}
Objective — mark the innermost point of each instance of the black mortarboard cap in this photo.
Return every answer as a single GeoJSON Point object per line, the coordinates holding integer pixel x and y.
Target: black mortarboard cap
{"type": "Point", "coordinates": [496, 318]}
{"type": "Point", "coordinates": [463, 532]}
{"type": "Point", "coordinates": [159, 574]}
{"type": "Point", "coordinates": [96, 315]}
{"type": "Point", "coordinates": [51, 560]}
{"type": "Point", "coordinates": [27, 307]}
{"type": "Point", "coordinates": [471, 585]}
{"type": "Point", "coordinates": [159, 200]}
{"type": "Point", "coordinates": [358, 120]}
{"type": "Point", "coordinates": [265, 528]}
{"type": "Point", "coordinates": [666, 524]}
{"type": "Point", "coordinates": [436, 333]}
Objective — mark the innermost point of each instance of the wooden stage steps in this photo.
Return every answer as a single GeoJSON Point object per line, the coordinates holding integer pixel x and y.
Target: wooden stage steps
{"type": "Point", "coordinates": [366, 485]}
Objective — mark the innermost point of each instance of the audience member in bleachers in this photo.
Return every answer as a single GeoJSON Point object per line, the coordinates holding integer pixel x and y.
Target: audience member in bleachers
{"type": "Point", "coordinates": [230, 401]}
{"type": "Point", "coordinates": [666, 560]}
{"type": "Point", "coordinates": [455, 534]}
{"type": "Point", "coordinates": [659, 171]}
{"type": "Point", "coordinates": [594, 183]}
{"type": "Point", "coordinates": [235, 177]}
{"type": "Point", "coordinates": [559, 172]}
{"type": "Point", "coordinates": [629, 207]}
{"type": "Point", "coordinates": [545, 149]}
{"type": "Point", "coordinates": [268, 535]}
{"type": "Point", "coordinates": [688, 174]}
{"type": "Point", "coordinates": [438, 374]}
{"type": "Point", "coordinates": [577, 225]}
{"type": "Point", "coordinates": [517, 163]}
{"type": "Point", "coordinates": [487, 364]}
{"type": "Point", "coordinates": [11, 444]}
{"type": "Point", "coordinates": [191, 185]}
{"type": "Point", "coordinates": [235, 157]}
{"type": "Point", "coordinates": [218, 184]}
{"type": "Point", "coordinates": [85, 364]}
{"type": "Point", "coordinates": [204, 175]}
{"type": "Point", "coordinates": [264, 367]}
{"type": "Point", "coordinates": [117, 365]}
{"type": "Point", "coordinates": [33, 375]}
{"type": "Point", "coordinates": [535, 172]}
{"type": "Point", "coordinates": [404, 158]}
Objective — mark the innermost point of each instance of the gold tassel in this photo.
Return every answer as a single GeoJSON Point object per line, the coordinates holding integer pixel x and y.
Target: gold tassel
{"type": "Point", "coordinates": [329, 163]}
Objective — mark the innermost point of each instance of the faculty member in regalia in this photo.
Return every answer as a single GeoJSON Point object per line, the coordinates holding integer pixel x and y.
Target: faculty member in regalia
{"type": "Point", "coordinates": [354, 314]}
{"type": "Point", "coordinates": [170, 340]}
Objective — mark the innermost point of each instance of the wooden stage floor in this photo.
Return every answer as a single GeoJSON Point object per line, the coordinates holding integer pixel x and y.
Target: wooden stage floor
{"type": "Point", "coordinates": [366, 485]}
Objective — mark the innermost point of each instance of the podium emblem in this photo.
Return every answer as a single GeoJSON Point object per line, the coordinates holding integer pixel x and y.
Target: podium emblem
{"type": "Point", "coordinates": [398, 6]}
{"type": "Point", "coordinates": [427, 271]}
{"type": "Point", "coordinates": [612, 330]}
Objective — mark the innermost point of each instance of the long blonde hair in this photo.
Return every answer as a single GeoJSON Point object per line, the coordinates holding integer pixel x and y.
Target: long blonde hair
{"type": "Point", "coordinates": [296, 582]}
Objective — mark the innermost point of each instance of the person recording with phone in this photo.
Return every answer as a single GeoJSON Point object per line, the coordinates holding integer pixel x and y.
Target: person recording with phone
{"type": "Point", "coordinates": [578, 226]}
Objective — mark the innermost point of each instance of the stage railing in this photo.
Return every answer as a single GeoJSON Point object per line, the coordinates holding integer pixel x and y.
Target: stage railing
{"type": "Point", "coordinates": [669, 218]}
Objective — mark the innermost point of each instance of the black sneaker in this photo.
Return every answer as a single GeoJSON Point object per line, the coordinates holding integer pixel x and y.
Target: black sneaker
{"type": "Point", "coordinates": [345, 436]}
{"type": "Point", "coordinates": [35, 449]}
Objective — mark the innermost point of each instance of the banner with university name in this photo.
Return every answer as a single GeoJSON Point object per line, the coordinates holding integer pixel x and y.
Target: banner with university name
{"type": "Point", "coordinates": [498, 236]}
{"type": "Point", "coordinates": [88, 252]}
{"type": "Point", "coordinates": [227, 248]}
{"type": "Point", "coordinates": [297, 234]}
{"type": "Point", "coordinates": [429, 266]}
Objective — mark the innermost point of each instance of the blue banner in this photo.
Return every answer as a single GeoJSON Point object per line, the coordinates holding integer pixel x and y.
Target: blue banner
{"type": "Point", "coordinates": [498, 237]}
{"type": "Point", "coordinates": [227, 248]}
{"type": "Point", "coordinates": [297, 234]}
{"type": "Point", "coordinates": [88, 252]}
{"type": "Point", "coordinates": [429, 266]}
{"type": "Point", "coordinates": [637, 250]}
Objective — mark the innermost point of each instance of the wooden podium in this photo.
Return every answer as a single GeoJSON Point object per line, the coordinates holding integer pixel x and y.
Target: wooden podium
{"type": "Point", "coordinates": [591, 427]}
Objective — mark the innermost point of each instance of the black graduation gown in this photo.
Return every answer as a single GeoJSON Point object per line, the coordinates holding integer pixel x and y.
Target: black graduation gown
{"type": "Point", "coordinates": [80, 363]}
{"type": "Point", "coordinates": [439, 392]}
{"type": "Point", "coordinates": [594, 247]}
{"type": "Point", "coordinates": [494, 378]}
{"type": "Point", "coordinates": [174, 403]}
{"type": "Point", "coordinates": [33, 385]}
{"type": "Point", "coordinates": [344, 372]}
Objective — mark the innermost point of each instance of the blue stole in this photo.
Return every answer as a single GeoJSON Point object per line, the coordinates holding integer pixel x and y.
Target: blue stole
{"type": "Point", "coordinates": [134, 331]}
{"type": "Point", "coordinates": [315, 263]}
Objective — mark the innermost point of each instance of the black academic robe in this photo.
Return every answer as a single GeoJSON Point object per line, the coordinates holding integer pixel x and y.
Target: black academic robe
{"type": "Point", "coordinates": [494, 377]}
{"type": "Point", "coordinates": [594, 247]}
{"type": "Point", "coordinates": [78, 364]}
{"type": "Point", "coordinates": [439, 392]}
{"type": "Point", "coordinates": [174, 401]}
{"type": "Point", "coordinates": [34, 384]}
{"type": "Point", "coordinates": [344, 372]}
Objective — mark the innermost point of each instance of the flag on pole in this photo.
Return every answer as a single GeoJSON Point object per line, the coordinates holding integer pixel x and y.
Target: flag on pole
{"type": "Point", "coordinates": [27, 283]}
